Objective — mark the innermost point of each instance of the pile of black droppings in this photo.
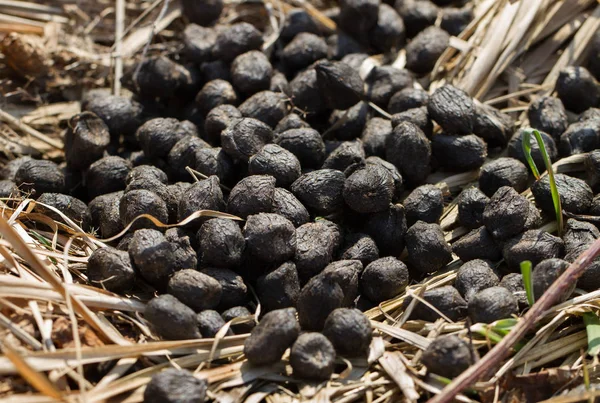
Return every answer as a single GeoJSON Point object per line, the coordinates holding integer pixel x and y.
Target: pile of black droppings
{"type": "Point", "coordinates": [336, 220]}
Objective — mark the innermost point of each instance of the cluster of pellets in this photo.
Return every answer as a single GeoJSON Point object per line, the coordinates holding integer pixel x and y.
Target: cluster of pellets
{"type": "Point", "coordinates": [336, 212]}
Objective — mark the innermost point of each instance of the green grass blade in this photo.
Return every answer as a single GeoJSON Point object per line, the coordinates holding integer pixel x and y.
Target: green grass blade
{"type": "Point", "coordinates": [526, 143]}
{"type": "Point", "coordinates": [592, 327]}
{"type": "Point", "coordinates": [526, 272]}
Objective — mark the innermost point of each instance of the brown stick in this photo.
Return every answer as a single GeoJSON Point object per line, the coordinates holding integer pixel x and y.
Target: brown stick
{"type": "Point", "coordinates": [16, 123]}
{"type": "Point", "coordinates": [493, 358]}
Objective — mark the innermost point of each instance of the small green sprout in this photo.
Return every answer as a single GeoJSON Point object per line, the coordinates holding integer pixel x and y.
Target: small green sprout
{"type": "Point", "coordinates": [527, 282]}
{"type": "Point", "coordinates": [526, 143]}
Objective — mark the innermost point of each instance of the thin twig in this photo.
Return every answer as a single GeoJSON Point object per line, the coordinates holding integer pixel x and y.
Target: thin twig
{"type": "Point", "coordinates": [16, 123]}
{"type": "Point", "coordinates": [493, 358]}
{"type": "Point", "coordinates": [119, 25]}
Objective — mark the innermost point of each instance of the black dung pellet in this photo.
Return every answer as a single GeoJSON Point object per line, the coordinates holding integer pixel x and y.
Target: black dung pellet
{"type": "Point", "coordinates": [215, 161]}
{"type": "Point", "coordinates": [296, 22]}
{"type": "Point", "coordinates": [384, 81]}
{"type": "Point", "coordinates": [455, 20]}
{"type": "Point", "coordinates": [445, 299]}
{"type": "Point", "coordinates": [355, 60]}
{"type": "Point", "coordinates": [158, 136]}
{"type": "Point", "coordinates": [577, 89]}
{"type": "Point", "coordinates": [452, 109]}
{"type": "Point", "coordinates": [210, 322]}
{"type": "Point", "coordinates": [493, 126]}
{"type": "Point", "coordinates": [175, 385]}
{"type": "Point", "coordinates": [424, 50]}
{"type": "Point", "coordinates": [317, 299]}
{"type": "Point", "coordinates": [580, 137]}
{"type": "Point", "coordinates": [357, 17]}
{"type": "Point", "coordinates": [198, 42]}
{"type": "Point", "coordinates": [235, 291]}
{"type": "Point", "coordinates": [36, 177]}
{"type": "Point", "coordinates": [305, 49]}
{"type": "Point", "coordinates": [359, 247]}
{"type": "Point", "coordinates": [417, 116]}
{"type": "Point", "coordinates": [575, 195]}
{"type": "Point", "coordinates": [417, 15]}
{"type": "Point", "coordinates": [345, 273]}
{"type": "Point", "coordinates": [220, 243]}
{"type": "Point", "coordinates": [406, 99]}
{"type": "Point", "coordinates": [215, 70]}
{"type": "Point", "coordinates": [591, 113]}
{"type": "Point", "coordinates": [141, 172]}
{"type": "Point", "coordinates": [252, 195]}
{"type": "Point", "coordinates": [312, 357]}
{"type": "Point", "coordinates": [410, 151]}
{"type": "Point", "coordinates": [157, 259]}
{"type": "Point", "coordinates": [506, 213]}
{"type": "Point", "coordinates": [237, 39]}
{"type": "Point", "coordinates": [474, 276]}
{"type": "Point", "coordinates": [217, 120]}
{"type": "Point", "coordinates": [341, 44]}
{"type": "Point", "coordinates": [592, 168]}
{"type": "Point", "coordinates": [85, 140]}
{"type": "Point", "coordinates": [369, 190]}
{"type": "Point", "coordinates": [239, 312]}
{"type": "Point", "coordinates": [8, 188]}
{"type": "Point", "coordinates": [121, 114]}
{"type": "Point", "coordinates": [9, 170]}
{"type": "Point", "coordinates": [205, 194]}
{"type": "Point", "coordinates": [448, 356]}
{"type": "Point", "coordinates": [428, 251]}
{"type": "Point", "coordinates": [215, 93]}
{"type": "Point", "coordinates": [389, 32]}
{"type": "Point", "coordinates": [275, 333]}
{"type": "Point", "coordinates": [548, 115]}
{"type": "Point", "coordinates": [279, 83]}
{"type": "Point", "coordinates": [251, 72]}
{"type": "Point", "coordinates": [305, 92]}
{"type": "Point", "coordinates": [270, 237]}
{"type": "Point", "coordinates": [471, 204]}
{"type": "Point", "coordinates": [388, 228]}
{"type": "Point", "coordinates": [392, 170]}
{"type": "Point", "coordinates": [160, 77]}
{"type": "Point", "coordinates": [515, 149]}
{"type": "Point", "coordinates": [477, 244]}
{"type": "Point", "coordinates": [289, 122]}
{"type": "Point", "coordinates": [245, 137]}
{"type": "Point", "coordinates": [267, 106]}
{"type": "Point", "coordinates": [183, 155]}
{"type": "Point", "coordinates": [384, 279]}
{"type": "Point", "coordinates": [579, 233]}
{"type": "Point", "coordinates": [111, 269]}
{"type": "Point", "coordinates": [459, 153]}
{"type": "Point", "coordinates": [315, 246]}
{"type": "Point", "coordinates": [320, 190]}
{"type": "Point", "coordinates": [306, 144]}
{"type": "Point", "coordinates": [340, 84]}
{"type": "Point", "coordinates": [195, 289]}
{"type": "Point", "coordinates": [287, 205]}
{"type": "Point", "coordinates": [70, 206]}
{"type": "Point", "coordinates": [532, 245]}
{"type": "Point", "coordinates": [501, 172]}
{"type": "Point", "coordinates": [103, 213]}
{"type": "Point", "coordinates": [345, 155]}
{"type": "Point", "coordinates": [545, 273]}
{"type": "Point", "coordinates": [276, 161]}
{"type": "Point", "coordinates": [513, 282]}
{"type": "Point", "coordinates": [425, 203]}
{"type": "Point", "coordinates": [492, 304]}
{"type": "Point", "coordinates": [279, 288]}
{"type": "Point", "coordinates": [171, 319]}
{"type": "Point", "coordinates": [204, 12]}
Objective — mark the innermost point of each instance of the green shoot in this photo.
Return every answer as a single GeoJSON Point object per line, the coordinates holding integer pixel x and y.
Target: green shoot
{"type": "Point", "coordinates": [526, 272]}
{"type": "Point", "coordinates": [526, 143]}
{"type": "Point", "coordinates": [592, 327]}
